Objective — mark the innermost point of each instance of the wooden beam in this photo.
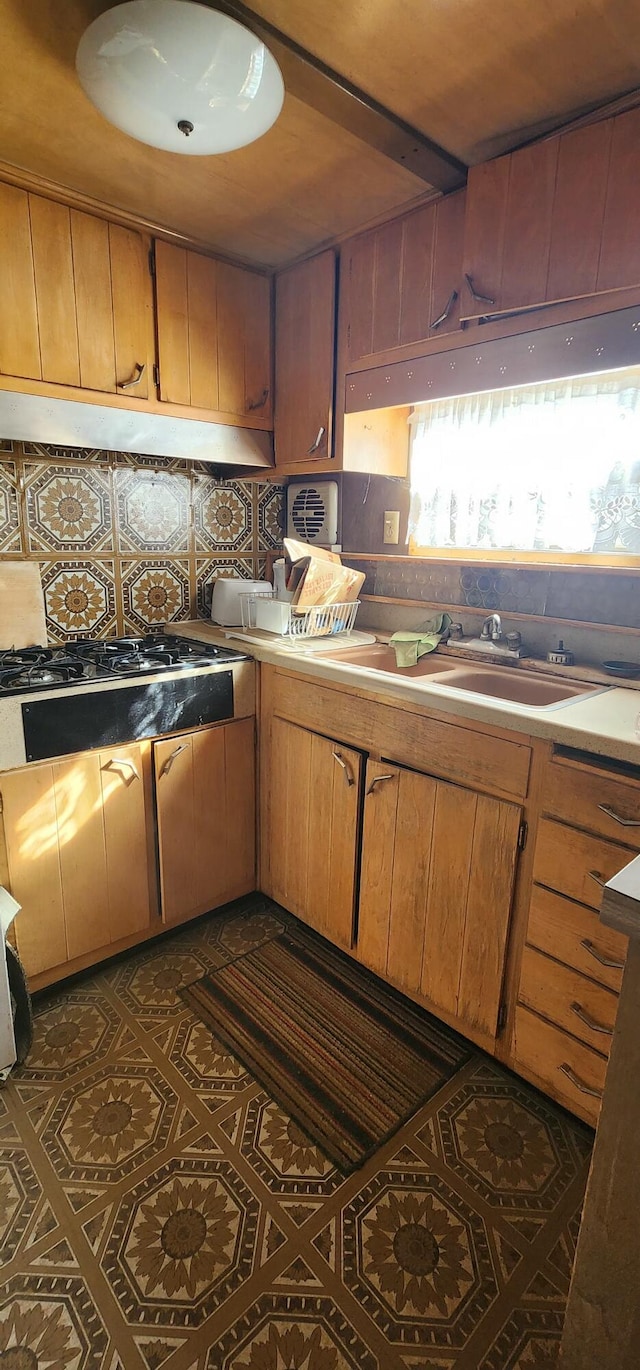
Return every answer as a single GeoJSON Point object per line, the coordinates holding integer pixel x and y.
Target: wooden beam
{"type": "Point", "coordinates": [315, 84]}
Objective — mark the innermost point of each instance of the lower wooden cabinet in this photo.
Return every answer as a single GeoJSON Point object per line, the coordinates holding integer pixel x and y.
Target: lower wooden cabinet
{"type": "Point", "coordinates": [413, 874]}
{"type": "Point", "coordinates": [437, 876]}
{"type": "Point", "coordinates": [86, 837]}
{"type": "Point", "coordinates": [313, 828]}
{"type": "Point", "coordinates": [76, 838]}
{"type": "Point", "coordinates": [205, 798]}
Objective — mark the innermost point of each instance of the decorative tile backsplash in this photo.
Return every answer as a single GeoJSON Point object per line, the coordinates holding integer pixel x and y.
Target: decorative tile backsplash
{"type": "Point", "coordinates": [127, 543]}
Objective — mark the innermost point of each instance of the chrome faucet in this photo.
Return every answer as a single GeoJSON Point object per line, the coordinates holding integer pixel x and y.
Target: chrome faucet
{"type": "Point", "coordinates": [491, 628]}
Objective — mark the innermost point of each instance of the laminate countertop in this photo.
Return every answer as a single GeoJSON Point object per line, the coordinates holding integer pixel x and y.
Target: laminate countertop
{"type": "Point", "coordinates": [603, 722]}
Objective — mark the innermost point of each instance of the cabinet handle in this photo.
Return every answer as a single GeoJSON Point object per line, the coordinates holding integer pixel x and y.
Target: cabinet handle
{"type": "Point", "coordinates": [590, 1022]}
{"type": "Point", "coordinates": [347, 770]}
{"type": "Point", "coordinates": [121, 761]}
{"type": "Point", "coordinates": [140, 367]}
{"type": "Point", "coordinates": [257, 404]}
{"type": "Point", "coordinates": [617, 817]}
{"type": "Point", "coordinates": [377, 780]}
{"type": "Point", "coordinates": [595, 875]}
{"type": "Point", "coordinates": [475, 294]}
{"type": "Point", "coordinates": [435, 323]}
{"type": "Point", "coordinates": [579, 1084]}
{"type": "Point", "coordinates": [598, 956]}
{"type": "Point", "coordinates": [172, 756]}
{"type": "Point", "coordinates": [315, 445]}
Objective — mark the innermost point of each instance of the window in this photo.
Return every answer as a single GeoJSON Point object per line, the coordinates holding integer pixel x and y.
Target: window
{"type": "Point", "coordinates": [551, 468]}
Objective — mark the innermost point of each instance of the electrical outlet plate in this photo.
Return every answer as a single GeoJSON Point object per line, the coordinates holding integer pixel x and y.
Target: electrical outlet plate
{"type": "Point", "coordinates": [391, 526]}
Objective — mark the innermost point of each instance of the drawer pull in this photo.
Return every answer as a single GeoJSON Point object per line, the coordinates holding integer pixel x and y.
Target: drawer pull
{"type": "Point", "coordinates": [172, 756]}
{"type": "Point", "coordinates": [598, 956]}
{"type": "Point", "coordinates": [595, 875]}
{"type": "Point", "coordinates": [347, 771]}
{"type": "Point", "coordinates": [377, 780]}
{"type": "Point", "coordinates": [617, 817]}
{"type": "Point", "coordinates": [121, 761]}
{"type": "Point", "coordinates": [579, 1084]}
{"type": "Point", "coordinates": [590, 1022]}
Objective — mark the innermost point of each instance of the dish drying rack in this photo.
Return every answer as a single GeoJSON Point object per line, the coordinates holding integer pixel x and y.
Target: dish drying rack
{"type": "Point", "coordinates": [316, 620]}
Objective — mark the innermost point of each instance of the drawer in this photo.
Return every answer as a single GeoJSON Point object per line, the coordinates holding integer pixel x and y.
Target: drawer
{"type": "Point", "coordinates": [569, 861]}
{"type": "Point", "coordinates": [575, 935]}
{"type": "Point", "coordinates": [570, 1000]}
{"type": "Point", "coordinates": [568, 1070]}
{"type": "Point", "coordinates": [587, 797]}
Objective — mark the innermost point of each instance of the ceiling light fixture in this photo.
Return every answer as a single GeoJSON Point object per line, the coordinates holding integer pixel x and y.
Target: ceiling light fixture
{"type": "Point", "coordinates": [180, 76]}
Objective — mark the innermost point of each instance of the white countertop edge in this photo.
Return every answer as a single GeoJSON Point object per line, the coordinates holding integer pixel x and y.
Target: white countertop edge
{"type": "Point", "coordinates": [602, 722]}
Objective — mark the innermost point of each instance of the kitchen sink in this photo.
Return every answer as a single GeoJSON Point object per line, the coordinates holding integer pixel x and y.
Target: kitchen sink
{"type": "Point", "coordinates": [381, 658]}
{"type": "Point", "coordinates": [511, 684]}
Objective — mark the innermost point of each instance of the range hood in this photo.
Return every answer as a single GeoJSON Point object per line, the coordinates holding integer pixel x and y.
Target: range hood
{"type": "Point", "coordinates": [70, 423]}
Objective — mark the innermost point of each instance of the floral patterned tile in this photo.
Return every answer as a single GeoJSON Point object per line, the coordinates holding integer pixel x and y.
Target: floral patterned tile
{"type": "Point", "coordinates": [52, 452]}
{"type": "Point", "coordinates": [223, 515]}
{"type": "Point", "coordinates": [152, 511]}
{"type": "Point", "coordinates": [68, 509]}
{"type": "Point", "coordinates": [271, 516]}
{"type": "Point", "coordinates": [80, 599]}
{"type": "Point", "coordinates": [154, 592]}
{"type": "Point", "coordinates": [10, 530]}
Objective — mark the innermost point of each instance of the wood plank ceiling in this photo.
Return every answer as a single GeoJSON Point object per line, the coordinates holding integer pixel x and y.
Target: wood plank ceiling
{"type": "Point", "coordinates": [476, 77]}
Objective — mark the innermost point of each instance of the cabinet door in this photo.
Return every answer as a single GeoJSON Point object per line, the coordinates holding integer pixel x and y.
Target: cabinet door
{"type": "Point", "coordinates": [438, 866]}
{"type": "Point", "coordinates": [77, 852]}
{"type": "Point", "coordinates": [205, 795]}
{"type": "Point", "coordinates": [555, 221]}
{"type": "Point", "coordinates": [401, 278]}
{"type": "Point", "coordinates": [214, 333]}
{"type": "Point", "coordinates": [77, 297]}
{"type": "Point", "coordinates": [313, 822]}
{"type": "Point", "coordinates": [305, 328]}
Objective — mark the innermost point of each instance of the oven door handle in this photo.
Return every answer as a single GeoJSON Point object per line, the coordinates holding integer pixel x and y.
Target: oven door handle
{"type": "Point", "coordinates": [164, 770]}
{"type": "Point", "coordinates": [116, 761]}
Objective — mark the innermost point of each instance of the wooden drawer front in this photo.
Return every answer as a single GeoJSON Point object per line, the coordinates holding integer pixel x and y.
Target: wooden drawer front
{"type": "Point", "coordinates": [569, 861]}
{"type": "Point", "coordinates": [568, 999]}
{"type": "Point", "coordinates": [575, 935]}
{"type": "Point", "coordinates": [429, 744]}
{"type": "Point", "coordinates": [571, 1072]}
{"type": "Point", "coordinates": [587, 798]}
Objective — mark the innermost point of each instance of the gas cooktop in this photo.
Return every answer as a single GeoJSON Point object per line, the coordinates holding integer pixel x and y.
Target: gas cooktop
{"type": "Point", "coordinates": [84, 661]}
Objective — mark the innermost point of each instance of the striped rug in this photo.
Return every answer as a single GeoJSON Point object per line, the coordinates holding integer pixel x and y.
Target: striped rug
{"type": "Point", "coordinates": [346, 1056]}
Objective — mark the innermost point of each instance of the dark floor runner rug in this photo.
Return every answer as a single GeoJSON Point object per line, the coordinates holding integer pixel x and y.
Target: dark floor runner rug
{"type": "Point", "coordinates": [346, 1056]}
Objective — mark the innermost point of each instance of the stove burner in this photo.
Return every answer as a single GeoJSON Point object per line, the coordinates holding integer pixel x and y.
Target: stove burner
{"type": "Point", "coordinates": [36, 676]}
{"type": "Point", "coordinates": [87, 661]}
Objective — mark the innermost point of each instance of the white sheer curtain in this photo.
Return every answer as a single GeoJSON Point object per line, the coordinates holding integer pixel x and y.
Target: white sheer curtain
{"type": "Point", "coordinates": [549, 467]}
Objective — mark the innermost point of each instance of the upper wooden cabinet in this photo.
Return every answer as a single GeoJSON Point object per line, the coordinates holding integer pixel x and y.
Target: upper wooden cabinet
{"type": "Point", "coordinates": [214, 334]}
{"type": "Point", "coordinates": [555, 221]}
{"type": "Point", "coordinates": [401, 283]}
{"type": "Point", "coordinates": [76, 297]}
{"type": "Point", "coordinates": [305, 357]}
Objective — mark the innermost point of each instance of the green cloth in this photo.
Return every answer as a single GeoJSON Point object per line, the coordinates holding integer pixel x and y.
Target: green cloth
{"type": "Point", "coordinates": [409, 647]}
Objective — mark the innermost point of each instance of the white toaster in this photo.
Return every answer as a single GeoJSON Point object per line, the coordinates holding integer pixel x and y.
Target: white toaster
{"type": "Point", "coordinates": [226, 607]}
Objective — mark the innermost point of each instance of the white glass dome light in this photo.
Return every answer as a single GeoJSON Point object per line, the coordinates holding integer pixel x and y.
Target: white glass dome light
{"type": "Point", "coordinates": [180, 76]}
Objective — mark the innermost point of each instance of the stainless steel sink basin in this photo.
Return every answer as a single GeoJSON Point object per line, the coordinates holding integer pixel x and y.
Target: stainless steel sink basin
{"type": "Point", "coordinates": [512, 684]}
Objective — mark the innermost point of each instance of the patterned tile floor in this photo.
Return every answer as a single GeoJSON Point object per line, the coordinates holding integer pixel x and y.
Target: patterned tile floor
{"type": "Point", "coordinates": [158, 1209]}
